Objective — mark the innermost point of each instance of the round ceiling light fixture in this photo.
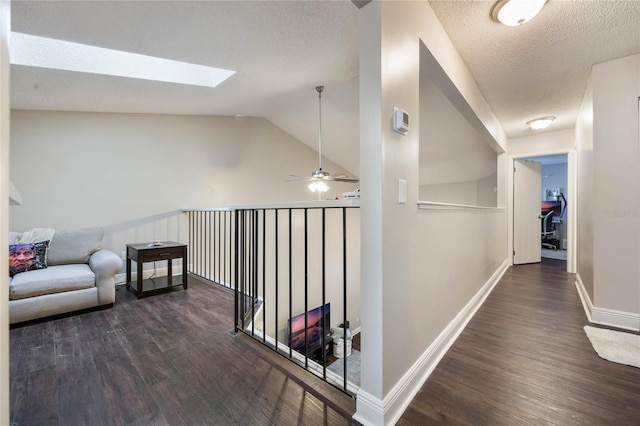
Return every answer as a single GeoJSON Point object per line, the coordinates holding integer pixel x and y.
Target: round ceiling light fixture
{"type": "Point", "coordinates": [540, 123]}
{"type": "Point", "coordinates": [516, 12]}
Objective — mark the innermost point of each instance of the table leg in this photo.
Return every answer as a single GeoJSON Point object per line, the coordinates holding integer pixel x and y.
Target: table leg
{"type": "Point", "coordinates": [128, 278]}
{"type": "Point", "coordinates": [184, 268]}
{"type": "Point", "coordinates": [170, 271]}
{"type": "Point", "coordinates": [139, 278]}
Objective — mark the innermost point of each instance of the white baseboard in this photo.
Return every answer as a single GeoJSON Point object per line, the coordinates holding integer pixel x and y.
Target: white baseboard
{"type": "Point", "coordinates": [584, 297]}
{"type": "Point", "coordinates": [121, 278]}
{"type": "Point", "coordinates": [613, 318]}
{"type": "Point", "coordinates": [371, 410]}
{"type": "Point", "coordinates": [603, 316]}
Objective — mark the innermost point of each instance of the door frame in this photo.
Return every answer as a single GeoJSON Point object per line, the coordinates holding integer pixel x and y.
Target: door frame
{"type": "Point", "coordinates": [572, 202]}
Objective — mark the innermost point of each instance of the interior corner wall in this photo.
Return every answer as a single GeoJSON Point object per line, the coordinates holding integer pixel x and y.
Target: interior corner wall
{"type": "Point", "coordinates": [132, 174]}
{"type": "Point", "coordinates": [5, 29]}
{"type": "Point", "coordinates": [616, 173]}
{"type": "Point", "coordinates": [428, 264]}
{"type": "Point", "coordinates": [585, 193]}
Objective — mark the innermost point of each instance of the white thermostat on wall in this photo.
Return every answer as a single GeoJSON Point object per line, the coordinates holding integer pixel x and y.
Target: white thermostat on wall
{"type": "Point", "coordinates": [400, 121]}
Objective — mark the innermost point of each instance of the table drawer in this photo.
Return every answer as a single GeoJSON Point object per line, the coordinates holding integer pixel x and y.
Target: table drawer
{"type": "Point", "coordinates": [161, 254]}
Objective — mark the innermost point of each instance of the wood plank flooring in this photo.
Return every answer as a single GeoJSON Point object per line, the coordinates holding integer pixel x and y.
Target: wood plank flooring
{"type": "Point", "coordinates": [163, 360]}
{"type": "Point", "coordinates": [524, 359]}
{"type": "Point", "coordinates": [169, 360]}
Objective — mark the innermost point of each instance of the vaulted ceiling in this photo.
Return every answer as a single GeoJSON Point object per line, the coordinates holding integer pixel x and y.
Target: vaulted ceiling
{"type": "Point", "coordinates": [281, 50]}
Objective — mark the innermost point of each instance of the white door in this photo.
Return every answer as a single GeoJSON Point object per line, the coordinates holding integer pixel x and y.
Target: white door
{"type": "Point", "coordinates": [527, 189]}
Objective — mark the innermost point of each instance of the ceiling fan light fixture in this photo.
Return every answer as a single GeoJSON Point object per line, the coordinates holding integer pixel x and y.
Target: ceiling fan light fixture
{"type": "Point", "coordinates": [318, 186]}
{"type": "Point", "coordinates": [540, 123]}
{"type": "Point", "coordinates": [516, 12]}
{"type": "Point", "coordinates": [320, 174]}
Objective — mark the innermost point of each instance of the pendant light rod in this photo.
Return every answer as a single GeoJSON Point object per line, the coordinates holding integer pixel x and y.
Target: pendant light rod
{"type": "Point", "coordinates": [319, 90]}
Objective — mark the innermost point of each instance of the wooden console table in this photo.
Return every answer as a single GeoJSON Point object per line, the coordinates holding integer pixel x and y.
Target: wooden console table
{"type": "Point", "coordinates": [147, 252]}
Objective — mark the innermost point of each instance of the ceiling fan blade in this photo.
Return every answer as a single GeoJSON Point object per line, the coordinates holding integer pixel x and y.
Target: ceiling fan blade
{"type": "Point", "coordinates": [293, 178]}
{"type": "Point", "coordinates": [343, 179]}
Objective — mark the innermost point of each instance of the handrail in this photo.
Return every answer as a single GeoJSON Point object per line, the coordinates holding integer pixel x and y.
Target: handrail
{"type": "Point", "coordinates": [274, 258]}
{"type": "Point", "coordinates": [209, 209]}
{"type": "Point", "coordinates": [295, 205]}
{"type": "Point", "coordinates": [432, 205]}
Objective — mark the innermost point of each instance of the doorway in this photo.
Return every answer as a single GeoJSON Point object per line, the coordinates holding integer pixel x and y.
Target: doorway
{"type": "Point", "coordinates": [556, 189]}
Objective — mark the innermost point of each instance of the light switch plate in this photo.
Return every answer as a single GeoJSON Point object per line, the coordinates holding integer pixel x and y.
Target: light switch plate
{"type": "Point", "coordinates": [402, 191]}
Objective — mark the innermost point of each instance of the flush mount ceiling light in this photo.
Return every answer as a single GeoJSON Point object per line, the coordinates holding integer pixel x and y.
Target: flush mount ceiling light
{"type": "Point", "coordinates": [50, 53]}
{"type": "Point", "coordinates": [540, 123]}
{"type": "Point", "coordinates": [516, 12]}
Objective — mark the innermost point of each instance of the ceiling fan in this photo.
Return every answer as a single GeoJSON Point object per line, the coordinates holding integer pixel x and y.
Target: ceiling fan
{"type": "Point", "coordinates": [320, 177]}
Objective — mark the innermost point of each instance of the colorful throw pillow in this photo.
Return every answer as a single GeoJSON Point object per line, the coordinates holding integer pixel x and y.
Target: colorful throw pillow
{"type": "Point", "coordinates": [27, 257]}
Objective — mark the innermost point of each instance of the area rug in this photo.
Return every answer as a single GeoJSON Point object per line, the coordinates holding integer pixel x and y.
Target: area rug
{"type": "Point", "coordinates": [615, 346]}
{"type": "Point", "coordinates": [353, 367]}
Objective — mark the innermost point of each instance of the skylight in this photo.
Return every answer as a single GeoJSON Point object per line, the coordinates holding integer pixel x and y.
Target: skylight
{"type": "Point", "coordinates": [45, 52]}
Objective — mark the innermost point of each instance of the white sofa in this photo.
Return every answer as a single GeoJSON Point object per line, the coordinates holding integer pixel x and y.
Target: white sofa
{"type": "Point", "coordinates": [80, 274]}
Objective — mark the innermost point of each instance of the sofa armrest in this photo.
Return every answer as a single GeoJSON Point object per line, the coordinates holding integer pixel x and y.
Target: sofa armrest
{"type": "Point", "coordinates": [105, 265]}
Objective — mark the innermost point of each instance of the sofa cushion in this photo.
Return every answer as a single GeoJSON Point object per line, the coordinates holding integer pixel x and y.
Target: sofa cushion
{"type": "Point", "coordinates": [35, 235]}
{"type": "Point", "coordinates": [69, 247]}
{"type": "Point", "coordinates": [13, 237]}
{"type": "Point", "coordinates": [27, 257]}
{"type": "Point", "coordinates": [55, 279]}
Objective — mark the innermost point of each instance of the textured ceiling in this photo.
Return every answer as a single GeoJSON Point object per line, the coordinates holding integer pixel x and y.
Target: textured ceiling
{"type": "Point", "coordinates": [540, 68]}
{"type": "Point", "coordinates": [281, 50]}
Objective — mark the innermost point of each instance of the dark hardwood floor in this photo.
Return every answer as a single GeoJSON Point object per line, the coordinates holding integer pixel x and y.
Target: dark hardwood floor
{"type": "Point", "coordinates": [524, 359]}
{"type": "Point", "coordinates": [169, 360]}
{"type": "Point", "coordinates": [163, 360]}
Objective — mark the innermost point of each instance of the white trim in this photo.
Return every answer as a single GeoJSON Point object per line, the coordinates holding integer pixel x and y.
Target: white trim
{"type": "Point", "coordinates": [572, 212]}
{"type": "Point", "coordinates": [603, 316]}
{"type": "Point", "coordinates": [345, 202]}
{"type": "Point", "coordinates": [373, 411]}
{"type": "Point", "coordinates": [432, 205]}
{"type": "Point", "coordinates": [613, 318]}
{"type": "Point", "coordinates": [370, 410]}
{"type": "Point", "coordinates": [572, 200]}
{"type": "Point", "coordinates": [584, 297]}
{"type": "Point", "coordinates": [212, 209]}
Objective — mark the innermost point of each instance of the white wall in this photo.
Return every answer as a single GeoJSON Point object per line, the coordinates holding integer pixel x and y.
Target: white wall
{"type": "Point", "coordinates": [616, 173]}
{"type": "Point", "coordinates": [133, 173]}
{"type": "Point", "coordinates": [456, 193]}
{"type": "Point", "coordinates": [553, 176]}
{"type": "Point", "coordinates": [5, 15]}
{"type": "Point", "coordinates": [420, 268]}
{"type": "Point", "coordinates": [481, 192]}
{"type": "Point", "coordinates": [586, 195]}
{"type": "Point", "coordinates": [558, 141]}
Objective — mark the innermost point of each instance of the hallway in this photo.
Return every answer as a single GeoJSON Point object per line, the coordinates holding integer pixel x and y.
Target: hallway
{"type": "Point", "coordinates": [524, 359]}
